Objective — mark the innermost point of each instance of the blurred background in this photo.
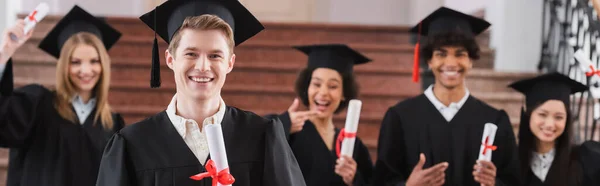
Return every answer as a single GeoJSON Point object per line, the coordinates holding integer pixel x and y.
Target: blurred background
{"type": "Point", "coordinates": [526, 37]}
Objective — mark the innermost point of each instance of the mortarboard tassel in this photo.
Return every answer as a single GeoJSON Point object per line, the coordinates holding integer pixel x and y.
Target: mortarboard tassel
{"type": "Point", "coordinates": [155, 71]}
{"type": "Point", "coordinates": [415, 75]}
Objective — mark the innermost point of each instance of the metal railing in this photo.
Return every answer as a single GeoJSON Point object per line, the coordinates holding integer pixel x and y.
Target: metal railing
{"type": "Point", "coordinates": [570, 26]}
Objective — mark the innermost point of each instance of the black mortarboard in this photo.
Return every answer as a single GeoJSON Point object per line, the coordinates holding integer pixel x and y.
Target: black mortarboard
{"type": "Point", "coordinates": [168, 17]}
{"type": "Point", "coordinates": [334, 56]}
{"type": "Point", "coordinates": [552, 86]}
{"type": "Point", "coordinates": [445, 20]}
{"type": "Point", "coordinates": [75, 21]}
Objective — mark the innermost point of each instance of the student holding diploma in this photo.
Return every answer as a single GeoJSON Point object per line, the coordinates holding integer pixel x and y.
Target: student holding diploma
{"type": "Point", "coordinates": [435, 138]}
{"type": "Point", "coordinates": [326, 86]}
{"type": "Point", "coordinates": [56, 137]}
{"type": "Point", "coordinates": [546, 152]}
{"type": "Point", "coordinates": [175, 145]}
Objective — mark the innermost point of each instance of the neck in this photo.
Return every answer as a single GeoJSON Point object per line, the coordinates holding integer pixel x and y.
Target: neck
{"type": "Point", "coordinates": [447, 96]}
{"type": "Point", "coordinates": [85, 96]}
{"type": "Point", "coordinates": [323, 124]}
{"type": "Point", "coordinates": [544, 147]}
{"type": "Point", "coordinates": [198, 110]}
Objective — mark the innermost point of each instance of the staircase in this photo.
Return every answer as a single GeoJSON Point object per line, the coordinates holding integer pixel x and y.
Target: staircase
{"type": "Point", "coordinates": [265, 70]}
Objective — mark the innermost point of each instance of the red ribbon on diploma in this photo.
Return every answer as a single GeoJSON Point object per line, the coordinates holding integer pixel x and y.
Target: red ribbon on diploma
{"type": "Point", "coordinates": [592, 71]}
{"type": "Point", "coordinates": [223, 177]}
{"type": "Point", "coordinates": [31, 17]}
{"type": "Point", "coordinates": [486, 146]}
{"type": "Point", "coordinates": [343, 135]}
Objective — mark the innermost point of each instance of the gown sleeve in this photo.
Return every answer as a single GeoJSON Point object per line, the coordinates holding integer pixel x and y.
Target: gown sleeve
{"type": "Point", "coordinates": [281, 167]}
{"type": "Point", "coordinates": [285, 121]}
{"type": "Point", "coordinates": [590, 162]}
{"type": "Point", "coordinates": [364, 169]}
{"type": "Point", "coordinates": [507, 166]}
{"type": "Point", "coordinates": [390, 153]}
{"type": "Point", "coordinates": [115, 167]}
{"type": "Point", "coordinates": [18, 110]}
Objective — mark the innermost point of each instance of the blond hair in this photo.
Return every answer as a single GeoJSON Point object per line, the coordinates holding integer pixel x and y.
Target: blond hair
{"type": "Point", "coordinates": [66, 90]}
{"type": "Point", "coordinates": [203, 22]}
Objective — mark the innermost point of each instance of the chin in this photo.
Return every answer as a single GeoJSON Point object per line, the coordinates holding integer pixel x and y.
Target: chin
{"type": "Point", "coordinates": [450, 85]}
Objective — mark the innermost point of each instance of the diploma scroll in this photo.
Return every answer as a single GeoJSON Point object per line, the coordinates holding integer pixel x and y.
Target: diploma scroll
{"type": "Point", "coordinates": [351, 127]}
{"type": "Point", "coordinates": [216, 146]}
{"type": "Point", "coordinates": [33, 18]}
{"type": "Point", "coordinates": [487, 142]}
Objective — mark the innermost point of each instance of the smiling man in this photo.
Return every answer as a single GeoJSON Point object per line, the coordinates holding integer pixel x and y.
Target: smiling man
{"type": "Point", "coordinates": [434, 138]}
{"type": "Point", "coordinates": [171, 146]}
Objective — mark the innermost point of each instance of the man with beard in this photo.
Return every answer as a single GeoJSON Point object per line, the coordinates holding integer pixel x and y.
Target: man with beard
{"type": "Point", "coordinates": [435, 138]}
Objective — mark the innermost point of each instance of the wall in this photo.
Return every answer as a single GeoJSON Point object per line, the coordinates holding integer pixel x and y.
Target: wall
{"type": "Point", "coordinates": [516, 34]}
{"type": "Point", "coordinates": [514, 22]}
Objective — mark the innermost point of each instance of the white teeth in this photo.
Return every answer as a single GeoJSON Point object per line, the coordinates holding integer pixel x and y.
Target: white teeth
{"type": "Point", "coordinates": [450, 73]}
{"type": "Point", "coordinates": [200, 80]}
{"type": "Point", "coordinates": [322, 102]}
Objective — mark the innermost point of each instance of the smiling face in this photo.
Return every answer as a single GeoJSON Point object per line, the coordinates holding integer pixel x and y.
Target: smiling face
{"type": "Point", "coordinates": [548, 121]}
{"type": "Point", "coordinates": [200, 63]}
{"type": "Point", "coordinates": [85, 68]}
{"type": "Point", "coordinates": [325, 92]}
{"type": "Point", "coordinates": [450, 66]}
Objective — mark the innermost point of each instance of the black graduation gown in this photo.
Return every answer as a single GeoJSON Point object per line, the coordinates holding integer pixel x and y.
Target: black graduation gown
{"type": "Point", "coordinates": [317, 162]}
{"type": "Point", "coordinates": [152, 153]}
{"type": "Point", "coordinates": [46, 149]}
{"type": "Point", "coordinates": [415, 126]}
{"type": "Point", "coordinates": [587, 155]}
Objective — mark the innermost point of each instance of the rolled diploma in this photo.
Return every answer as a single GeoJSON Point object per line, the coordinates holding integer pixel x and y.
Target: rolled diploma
{"type": "Point", "coordinates": [488, 130]}
{"type": "Point", "coordinates": [216, 146]}
{"type": "Point", "coordinates": [584, 62]}
{"type": "Point", "coordinates": [351, 126]}
{"type": "Point", "coordinates": [42, 10]}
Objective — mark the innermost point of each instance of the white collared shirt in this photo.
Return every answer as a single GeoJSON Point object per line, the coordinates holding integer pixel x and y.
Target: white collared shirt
{"type": "Point", "coordinates": [194, 137]}
{"type": "Point", "coordinates": [540, 163]}
{"type": "Point", "coordinates": [447, 111]}
{"type": "Point", "coordinates": [83, 110]}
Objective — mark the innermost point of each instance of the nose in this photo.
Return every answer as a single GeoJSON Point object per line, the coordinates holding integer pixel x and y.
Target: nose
{"type": "Point", "coordinates": [548, 124]}
{"type": "Point", "coordinates": [323, 90]}
{"type": "Point", "coordinates": [450, 61]}
{"type": "Point", "coordinates": [202, 64]}
{"type": "Point", "coordinates": [86, 68]}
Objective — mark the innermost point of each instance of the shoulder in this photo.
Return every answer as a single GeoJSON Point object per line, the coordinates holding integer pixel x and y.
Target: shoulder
{"type": "Point", "coordinates": [243, 117]}
{"type": "Point", "coordinates": [482, 105]}
{"type": "Point", "coordinates": [35, 89]}
{"type": "Point", "coordinates": [410, 103]}
{"type": "Point", "coordinates": [145, 127]}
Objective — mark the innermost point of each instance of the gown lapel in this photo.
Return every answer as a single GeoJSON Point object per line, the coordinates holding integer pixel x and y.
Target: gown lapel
{"type": "Point", "coordinates": [181, 150]}
{"type": "Point", "coordinates": [438, 134]}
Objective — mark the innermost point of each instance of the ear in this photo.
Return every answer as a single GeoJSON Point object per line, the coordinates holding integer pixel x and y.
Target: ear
{"type": "Point", "coordinates": [230, 63]}
{"type": "Point", "coordinates": [170, 59]}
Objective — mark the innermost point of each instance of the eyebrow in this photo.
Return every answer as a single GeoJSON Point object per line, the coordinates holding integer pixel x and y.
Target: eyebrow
{"type": "Point", "coordinates": [440, 49]}
{"type": "Point", "coordinates": [543, 110]}
{"type": "Point", "coordinates": [332, 79]}
{"type": "Point", "coordinates": [190, 48]}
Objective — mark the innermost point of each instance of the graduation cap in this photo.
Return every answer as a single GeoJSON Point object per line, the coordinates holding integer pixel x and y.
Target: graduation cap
{"type": "Point", "coordinates": [168, 17]}
{"type": "Point", "coordinates": [75, 21]}
{"type": "Point", "coordinates": [445, 20]}
{"type": "Point", "coordinates": [552, 86]}
{"type": "Point", "coordinates": [338, 57]}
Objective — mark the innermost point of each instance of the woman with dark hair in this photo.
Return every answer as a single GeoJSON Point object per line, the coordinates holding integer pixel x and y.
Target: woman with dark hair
{"type": "Point", "coordinates": [546, 152]}
{"type": "Point", "coordinates": [325, 87]}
